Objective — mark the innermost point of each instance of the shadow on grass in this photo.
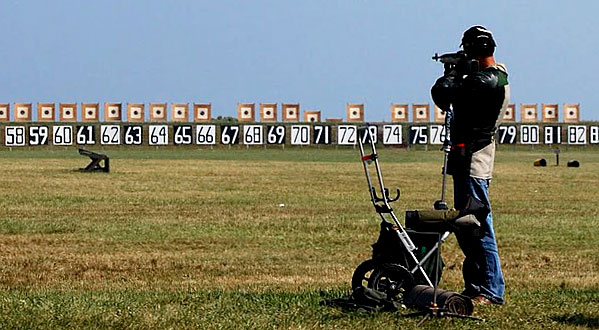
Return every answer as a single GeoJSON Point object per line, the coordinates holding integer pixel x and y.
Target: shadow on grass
{"type": "Point", "coordinates": [578, 319]}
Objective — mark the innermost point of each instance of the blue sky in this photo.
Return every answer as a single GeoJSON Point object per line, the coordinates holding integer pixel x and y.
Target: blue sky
{"type": "Point", "coordinates": [322, 54]}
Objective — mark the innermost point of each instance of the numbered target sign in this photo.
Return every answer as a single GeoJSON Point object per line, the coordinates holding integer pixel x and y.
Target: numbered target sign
{"type": "Point", "coordinates": [253, 135]}
{"type": "Point", "coordinates": [506, 134]}
{"type": "Point", "coordinates": [321, 134]}
{"type": "Point", "coordinates": [594, 134]}
{"type": "Point", "coordinates": [206, 134]}
{"type": "Point", "coordinates": [373, 132]}
{"type": "Point", "coordinates": [133, 134]}
{"type": "Point", "coordinates": [38, 135]}
{"type": "Point", "coordinates": [437, 134]}
{"type": "Point", "coordinates": [182, 134]}
{"type": "Point", "coordinates": [418, 134]}
{"type": "Point", "coordinates": [158, 135]}
{"type": "Point", "coordinates": [300, 135]}
{"type": "Point", "coordinates": [275, 134]}
{"type": "Point", "coordinates": [392, 134]}
{"type": "Point", "coordinates": [229, 134]}
{"type": "Point", "coordinates": [110, 134]}
{"type": "Point", "coordinates": [347, 135]}
{"type": "Point", "coordinates": [552, 134]}
{"type": "Point", "coordinates": [85, 134]}
{"type": "Point", "coordinates": [529, 134]}
{"type": "Point", "coordinates": [577, 134]}
{"type": "Point", "coordinates": [14, 136]}
{"type": "Point", "coordinates": [62, 135]}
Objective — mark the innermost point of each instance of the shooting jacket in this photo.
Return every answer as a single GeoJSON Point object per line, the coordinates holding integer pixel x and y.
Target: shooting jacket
{"type": "Point", "coordinates": [479, 101]}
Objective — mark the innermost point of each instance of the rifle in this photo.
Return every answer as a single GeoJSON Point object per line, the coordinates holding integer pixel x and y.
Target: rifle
{"type": "Point", "coordinates": [458, 61]}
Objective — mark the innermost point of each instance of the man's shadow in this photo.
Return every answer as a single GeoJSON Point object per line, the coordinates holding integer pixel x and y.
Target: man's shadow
{"type": "Point", "coordinates": [578, 319]}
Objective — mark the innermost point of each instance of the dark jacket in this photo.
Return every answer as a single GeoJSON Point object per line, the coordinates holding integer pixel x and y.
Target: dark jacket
{"type": "Point", "coordinates": [479, 100]}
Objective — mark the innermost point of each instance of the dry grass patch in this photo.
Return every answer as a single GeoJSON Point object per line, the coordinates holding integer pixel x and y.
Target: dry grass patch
{"type": "Point", "coordinates": [183, 227]}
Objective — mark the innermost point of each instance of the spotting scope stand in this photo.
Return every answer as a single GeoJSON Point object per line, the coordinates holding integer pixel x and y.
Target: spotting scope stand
{"type": "Point", "coordinates": [96, 160]}
{"type": "Point", "coordinates": [442, 204]}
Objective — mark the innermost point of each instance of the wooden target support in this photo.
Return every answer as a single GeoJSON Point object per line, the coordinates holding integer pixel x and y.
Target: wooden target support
{"type": "Point", "coordinates": [157, 111]}
{"type": "Point", "coordinates": [96, 162]}
{"type": "Point", "coordinates": [355, 112]}
{"type": "Point", "coordinates": [291, 111]}
{"type": "Point", "coordinates": [510, 113]}
{"type": "Point", "coordinates": [112, 111]}
{"type": "Point", "coordinates": [67, 112]}
{"type": "Point", "coordinates": [549, 113]}
{"type": "Point", "coordinates": [90, 112]}
{"type": "Point", "coordinates": [528, 113]}
{"type": "Point", "coordinates": [312, 116]}
{"type": "Point", "coordinates": [571, 113]}
{"type": "Point", "coordinates": [268, 112]}
{"type": "Point", "coordinates": [4, 111]}
{"type": "Point", "coordinates": [246, 112]}
{"type": "Point", "coordinates": [180, 112]}
{"type": "Point", "coordinates": [399, 112]}
{"type": "Point", "coordinates": [22, 111]}
{"type": "Point", "coordinates": [135, 112]}
{"type": "Point", "coordinates": [46, 111]}
{"type": "Point", "coordinates": [202, 112]}
{"type": "Point", "coordinates": [421, 112]}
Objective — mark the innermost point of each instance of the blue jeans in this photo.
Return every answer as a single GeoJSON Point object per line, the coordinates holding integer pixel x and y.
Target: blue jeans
{"type": "Point", "coordinates": [481, 268]}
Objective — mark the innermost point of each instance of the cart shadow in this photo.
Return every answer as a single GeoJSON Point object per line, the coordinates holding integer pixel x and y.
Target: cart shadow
{"type": "Point", "coordinates": [578, 319]}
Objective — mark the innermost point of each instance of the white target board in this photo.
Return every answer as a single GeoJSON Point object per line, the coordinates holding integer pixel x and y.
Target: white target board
{"type": "Point", "coordinates": [529, 134]}
{"type": "Point", "coordinates": [179, 112]}
{"type": "Point", "coordinates": [577, 134]}
{"type": "Point", "coordinates": [392, 134]}
{"type": "Point", "coordinates": [253, 135]}
{"type": "Point", "coordinates": [112, 112]}
{"type": "Point", "coordinates": [62, 135]}
{"type": "Point", "coordinates": [418, 134]}
{"type": "Point", "coordinates": [22, 112]}
{"type": "Point", "coordinates": [594, 134]}
{"type": "Point", "coordinates": [90, 112]}
{"type": "Point", "coordinates": [182, 134]}
{"type": "Point", "coordinates": [85, 135]}
{"type": "Point", "coordinates": [552, 134]}
{"type": "Point", "coordinates": [14, 136]}
{"type": "Point", "coordinates": [4, 112]}
{"type": "Point", "coordinates": [133, 134]}
{"type": "Point", "coordinates": [110, 134]}
{"type": "Point", "coordinates": [38, 135]}
{"type": "Point", "coordinates": [206, 134]}
{"type": "Point", "coordinates": [506, 134]}
{"type": "Point", "coordinates": [347, 135]}
{"type": "Point", "coordinates": [275, 134]}
{"type": "Point", "coordinates": [46, 112]}
{"type": "Point", "coordinates": [158, 135]}
{"type": "Point", "coordinates": [437, 134]}
{"type": "Point", "coordinates": [290, 112]}
{"type": "Point", "coordinates": [300, 134]}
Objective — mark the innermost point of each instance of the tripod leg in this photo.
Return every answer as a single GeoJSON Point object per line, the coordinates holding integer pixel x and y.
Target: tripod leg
{"type": "Point", "coordinates": [426, 317]}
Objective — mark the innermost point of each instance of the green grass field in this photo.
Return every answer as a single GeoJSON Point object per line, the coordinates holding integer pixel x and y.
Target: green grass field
{"type": "Point", "coordinates": [182, 238]}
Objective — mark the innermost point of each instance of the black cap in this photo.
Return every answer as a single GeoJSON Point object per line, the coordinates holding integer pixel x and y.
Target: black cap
{"type": "Point", "coordinates": [478, 41]}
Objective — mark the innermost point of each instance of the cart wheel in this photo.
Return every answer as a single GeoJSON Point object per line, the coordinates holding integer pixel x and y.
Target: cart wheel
{"type": "Point", "coordinates": [363, 274]}
{"type": "Point", "coordinates": [392, 279]}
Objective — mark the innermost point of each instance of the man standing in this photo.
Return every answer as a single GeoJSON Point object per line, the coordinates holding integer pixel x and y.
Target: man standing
{"type": "Point", "coordinates": [479, 99]}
